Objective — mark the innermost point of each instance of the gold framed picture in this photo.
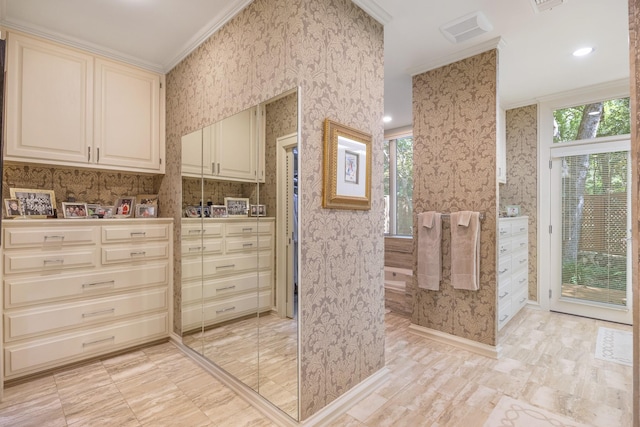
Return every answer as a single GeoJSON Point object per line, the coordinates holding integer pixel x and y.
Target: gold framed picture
{"type": "Point", "coordinates": [347, 168]}
{"type": "Point", "coordinates": [35, 203]}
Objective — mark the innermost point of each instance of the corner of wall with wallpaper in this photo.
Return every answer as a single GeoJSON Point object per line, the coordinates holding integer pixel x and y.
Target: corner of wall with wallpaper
{"type": "Point", "coordinates": [454, 114]}
{"type": "Point", "coordinates": [522, 178]}
{"type": "Point", "coordinates": [271, 47]}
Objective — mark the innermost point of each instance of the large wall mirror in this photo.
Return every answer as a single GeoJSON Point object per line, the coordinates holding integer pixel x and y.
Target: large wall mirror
{"type": "Point", "coordinates": [240, 247]}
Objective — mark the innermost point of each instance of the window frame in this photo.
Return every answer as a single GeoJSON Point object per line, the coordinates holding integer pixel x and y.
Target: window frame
{"type": "Point", "coordinates": [393, 171]}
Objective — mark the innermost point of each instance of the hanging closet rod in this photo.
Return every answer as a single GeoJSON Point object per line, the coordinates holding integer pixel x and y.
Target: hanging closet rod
{"type": "Point", "coordinates": [447, 216]}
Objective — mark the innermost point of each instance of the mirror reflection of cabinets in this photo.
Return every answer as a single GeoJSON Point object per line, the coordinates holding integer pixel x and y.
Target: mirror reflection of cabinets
{"type": "Point", "coordinates": [239, 278]}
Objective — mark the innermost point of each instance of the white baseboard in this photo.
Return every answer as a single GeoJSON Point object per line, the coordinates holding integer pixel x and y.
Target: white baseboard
{"type": "Point", "coordinates": [323, 417]}
{"type": "Point", "coordinates": [456, 341]}
{"type": "Point", "coordinates": [342, 404]}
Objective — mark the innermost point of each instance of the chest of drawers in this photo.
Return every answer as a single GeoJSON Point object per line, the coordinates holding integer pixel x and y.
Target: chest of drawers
{"type": "Point", "coordinates": [76, 289]}
{"type": "Point", "coordinates": [227, 269]}
{"type": "Point", "coordinates": [513, 267]}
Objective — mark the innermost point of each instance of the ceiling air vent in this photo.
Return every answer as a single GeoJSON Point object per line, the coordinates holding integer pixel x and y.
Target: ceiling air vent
{"type": "Point", "coordinates": [542, 5]}
{"type": "Point", "coordinates": [467, 27]}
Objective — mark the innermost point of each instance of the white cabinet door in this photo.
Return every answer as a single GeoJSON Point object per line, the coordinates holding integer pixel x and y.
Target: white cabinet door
{"type": "Point", "coordinates": [127, 117]}
{"type": "Point", "coordinates": [49, 102]}
{"type": "Point", "coordinates": [235, 140]}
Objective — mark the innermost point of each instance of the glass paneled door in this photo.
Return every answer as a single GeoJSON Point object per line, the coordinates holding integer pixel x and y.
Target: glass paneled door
{"type": "Point", "coordinates": [591, 222]}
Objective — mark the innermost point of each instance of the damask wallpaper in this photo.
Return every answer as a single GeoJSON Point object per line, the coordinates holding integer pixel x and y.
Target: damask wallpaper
{"type": "Point", "coordinates": [85, 185]}
{"type": "Point", "coordinates": [522, 178]}
{"type": "Point", "coordinates": [454, 129]}
{"type": "Point", "coordinates": [333, 52]}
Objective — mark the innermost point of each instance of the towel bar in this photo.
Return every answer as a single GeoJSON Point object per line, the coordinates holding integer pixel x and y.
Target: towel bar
{"type": "Point", "coordinates": [447, 216]}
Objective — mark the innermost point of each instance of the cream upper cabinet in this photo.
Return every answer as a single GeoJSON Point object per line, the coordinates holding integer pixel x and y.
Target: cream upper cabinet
{"type": "Point", "coordinates": [127, 116]}
{"type": "Point", "coordinates": [231, 149]}
{"type": "Point", "coordinates": [70, 108]}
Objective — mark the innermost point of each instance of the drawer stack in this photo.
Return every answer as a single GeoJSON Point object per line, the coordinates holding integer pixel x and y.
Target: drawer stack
{"type": "Point", "coordinates": [75, 289]}
{"type": "Point", "coordinates": [513, 267]}
{"type": "Point", "coordinates": [227, 269]}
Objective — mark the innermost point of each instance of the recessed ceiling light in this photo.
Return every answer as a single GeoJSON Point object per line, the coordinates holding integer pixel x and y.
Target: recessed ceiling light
{"type": "Point", "coordinates": [583, 51]}
{"type": "Point", "coordinates": [386, 119]}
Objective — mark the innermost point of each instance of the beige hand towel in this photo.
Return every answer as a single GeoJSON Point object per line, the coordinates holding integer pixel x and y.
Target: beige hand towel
{"type": "Point", "coordinates": [465, 250]}
{"type": "Point", "coordinates": [429, 252]}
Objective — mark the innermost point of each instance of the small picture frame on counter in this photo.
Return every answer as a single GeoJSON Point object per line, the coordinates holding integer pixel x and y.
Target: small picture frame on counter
{"type": "Point", "coordinates": [124, 207]}
{"type": "Point", "coordinates": [512, 210]}
{"type": "Point", "coordinates": [74, 210]}
{"type": "Point", "coordinates": [12, 208]}
{"type": "Point", "coordinates": [257, 210]}
{"type": "Point", "coordinates": [218, 211]}
{"type": "Point", "coordinates": [146, 211]}
{"type": "Point", "coordinates": [236, 206]}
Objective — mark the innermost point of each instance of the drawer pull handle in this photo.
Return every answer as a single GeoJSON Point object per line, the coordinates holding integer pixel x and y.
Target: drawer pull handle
{"type": "Point", "coordinates": [503, 250]}
{"type": "Point", "coordinates": [138, 253]}
{"type": "Point", "coordinates": [226, 266]}
{"type": "Point", "coordinates": [503, 271]}
{"type": "Point", "coordinates": [503, 318]}
{"type": "Point", "coordinates": [226, 287]}
{"type": "Point", "coordinates": [138, 233]}
{"type": "Point", "coordinates": [195, 248]}
{"type": "Point", "coordinates": [523, 260]}
{"type": "Point", "coordinates": [247, 245]}
{"type": "Point", "coordinates": [105, 283]}
{"type": "Point", "coordinates": [522, 300]}
{"type": "Point", "coordinates": [99, 313]}
{"type": "Point", "coordinates": [522, 280]}
{"type": "Point", "coordinates": [522, 244]}
{"type": "Point", "coordinates": [504, 295]}
{"type": "Point", "coordinates": [247, 229]}
{"type": "Point", "coordinates": [196, 231]}
{"type": "Point", "coordinates": [503, 232]}
{"type": "Point", "coordinates": [522, 228]}
{"type": "Point", "coordinates": [53, 261]}
{"type": "Point", "coordinates": [86, 344]}
{"type": "Point", "coordinates": [224, 310]}
{"type": "Point", "coordinates": [61, 237]}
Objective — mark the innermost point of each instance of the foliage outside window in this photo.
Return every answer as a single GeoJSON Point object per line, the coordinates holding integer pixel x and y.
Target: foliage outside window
{"type": "Point", "coordinates": [398, 186]}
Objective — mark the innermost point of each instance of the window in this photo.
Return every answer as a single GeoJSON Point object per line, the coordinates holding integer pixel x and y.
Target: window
{"type": "Point", "coordinates": [398, 186]}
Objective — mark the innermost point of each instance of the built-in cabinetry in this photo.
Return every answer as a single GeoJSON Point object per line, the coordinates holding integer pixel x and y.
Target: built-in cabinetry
{"type": "Point", "coordinates": [76, 289]}
{"type": "Point", "coordinates": [71, 108]}
{"type": "Point", "coordinates": [227, 269]}
{"type": "Point", "coordinates": [231, 149]}
{"type": "Point", "coordinates": [513, 267]}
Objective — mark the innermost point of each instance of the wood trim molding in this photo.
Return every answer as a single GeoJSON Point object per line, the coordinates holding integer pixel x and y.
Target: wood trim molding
{"type": "Point", "coordinates": [491, 351]}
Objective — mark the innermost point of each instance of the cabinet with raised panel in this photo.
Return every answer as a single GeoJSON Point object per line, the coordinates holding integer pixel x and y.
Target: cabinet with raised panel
{"type": "Point", "coordinates": [513, 267]}
{"type": "Point", "coordinates": [68, 107]}
{"type": "Point", "coordinates": [77, 290]}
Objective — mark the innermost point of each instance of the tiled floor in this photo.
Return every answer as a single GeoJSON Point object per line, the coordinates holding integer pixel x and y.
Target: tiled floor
{"type": "Point", "coordinates": [548, 361]}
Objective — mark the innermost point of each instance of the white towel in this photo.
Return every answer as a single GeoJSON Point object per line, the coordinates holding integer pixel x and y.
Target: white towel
{"type": "Point", "coordinates": [429, 250]}
{"type": "Point", "coordinates": [465, 250]}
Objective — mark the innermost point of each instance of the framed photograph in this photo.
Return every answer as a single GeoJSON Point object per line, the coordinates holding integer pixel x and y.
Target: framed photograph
{"type": "Point", "coordinates": [218, 211]}
{"type": "Point", "coordinates": [12, 208]}
{"type": "Point", "coordinates": [107, 211]}
{"type": "Point", "coordinates": [147, 199]}
{"type": "Point", "coordinates": [74, 210]}
{"type": "Point", "coordinates": [191, 212]}
{"type": "Point", "coordinates": [35, 203]}
{"type": "Point", "coordinates": [93, 210]}
{"type": "Point", "coordinates": [203, 211]}
{"type": "Point", "coordinates": [257, 210]}
{"type": "Point", "coordinates": [146, 211]}
{"type": "Point", "coordinates": [236, 206]}
{"type": "Point", "coordinates": [347, 168]}
{"type": "Point", "coordinates": [124, 206]}
{"type": "Point", "coordinates": [513, 210]}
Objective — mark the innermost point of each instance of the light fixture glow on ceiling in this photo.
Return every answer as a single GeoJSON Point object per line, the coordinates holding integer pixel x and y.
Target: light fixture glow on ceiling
{"type": "Point", "coordinates": [386, 119]}
{"type": "Point", "coordinates": [583, 51]}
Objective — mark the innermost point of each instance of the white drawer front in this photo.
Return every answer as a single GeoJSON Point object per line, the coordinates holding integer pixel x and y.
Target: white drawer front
{"type": "Point", "coordinates": [111, 255]}
{"type": "Point", "coordinates": [201, 246]}
{"type": "Point", "coordinates": [25, 323]}
{"type": "Point", "coordinates": [504, 267]}
{"type": "Point", "coordinates": [521, 280]}
{"type": "Point", "coordinates": [204, 229]}
{"type": "Point", "coordinates": [520, 300]}
{"type": "Point", "coordinates": [504, 229]}
{"type": "Point", "coordinates": [192, 292]}
{"type": "Point", "coordinates": [134, 233]}
{"type": "Point", "coordinates": [504, 247]}
{"type": "Point", "coordinates": [22, 359]}
{"type": "Point", "coordinates": [21, 262]}
{"type": "Point", "coordinates": [504, 312]}
{"type": "Point", "coordinates": [236, 264]}
{"type": "Point", "coordinates": [249, 227]}
{"type": "Point", "coordinates": [519, 227]}
{"type": "Point", "coordinates": [520, 243]}
{"type": "Point", "coordinates": [51, 237]}
{"type": "Point", "coordinates": [229, 308]}
{"type": "Point", "coordinates": [519, 261]}
{"type": "Point", "coordinates": [21, 292]}
{"type": "Point", "coordinates": [243, 244]}
{"type": "Point", "coordinates": [505, 289]}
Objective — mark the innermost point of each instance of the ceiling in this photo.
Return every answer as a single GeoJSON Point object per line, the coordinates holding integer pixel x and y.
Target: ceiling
{"type": "Point", "coordinates": [535, 54]}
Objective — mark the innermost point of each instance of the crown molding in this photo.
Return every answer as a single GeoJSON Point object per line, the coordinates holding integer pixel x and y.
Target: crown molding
{"type": "Point", "coordinates": [495, 43]}
{"type": "Point", "coordinates": [376, 11]}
